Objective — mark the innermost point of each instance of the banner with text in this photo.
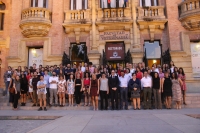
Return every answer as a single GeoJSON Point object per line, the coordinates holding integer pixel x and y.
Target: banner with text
{"type": "Point", "coordinates": [195, 56]}
{"type": "Point", "coordinates": [35, 56]}
{"type": "Point", "coordinates": [114, 51]}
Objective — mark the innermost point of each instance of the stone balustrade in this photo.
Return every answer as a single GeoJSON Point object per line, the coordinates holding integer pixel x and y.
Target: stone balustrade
{"type": "Point", "coordinates": [189, 14]}
{"type": "Point", "coordinates": [35, 22]}
{"type": "Point", "coordinates": [36, 13]}
{"type": "Point", "coordinates": [151, 13]}
{"type": "Point", "coordinates": [113, 14]}
{"type": "Point", "coordinates": [77, 16]}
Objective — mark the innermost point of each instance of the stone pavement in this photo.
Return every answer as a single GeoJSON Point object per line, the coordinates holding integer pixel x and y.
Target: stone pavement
{"type": "Point", "coordinates": [131, 121]}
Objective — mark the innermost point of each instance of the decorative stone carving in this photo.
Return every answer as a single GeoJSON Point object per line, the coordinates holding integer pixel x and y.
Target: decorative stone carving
{"type": "Point", "coordinates": [151, 18]}
{"type": "Point", "coordinates": [35, 22]}
{"type": "Point", "coordinates": [190, 14]}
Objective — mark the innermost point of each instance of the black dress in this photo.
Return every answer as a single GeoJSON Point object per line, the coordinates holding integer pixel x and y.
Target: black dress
{"type": "Point", "coordinates": [24, 85]}
{"type": "Point", "coordinates": [167, 87]}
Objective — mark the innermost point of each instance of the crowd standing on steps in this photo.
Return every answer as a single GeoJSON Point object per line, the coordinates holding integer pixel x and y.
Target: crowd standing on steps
{"type": "Point", "coordinates": [147, 88]}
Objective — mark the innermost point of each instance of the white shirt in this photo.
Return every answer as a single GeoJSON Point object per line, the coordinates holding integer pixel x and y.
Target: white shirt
{"type": "Point", "coordinates": [129, 76]}
{"type": "Point", "coordinates": [132, 70]}
{"type": "Point", "coordinates": [156, 70]}
{"type": "Point", "coordinates": [146, 82]}
{"type": "Point", "coordinates": [83, 69]}
{"type": "Point", "coordinates": [123, 81]}
{"type": "Point", "coordinates": [53, 86]}
{"type": "Point", "coordinates": [9, 77]}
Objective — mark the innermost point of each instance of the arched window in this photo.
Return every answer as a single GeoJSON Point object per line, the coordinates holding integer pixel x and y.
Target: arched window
{"type": "Point", "coordinates": [148, 3]}
{"type": "Point", "coordinates": [39, 3]}
{"type": "Point", "coordinates": [2, 7]}
{"type": "Point", "coordinates": [113, 3]}
{"type": "Point", "coordinates": [78, 4]}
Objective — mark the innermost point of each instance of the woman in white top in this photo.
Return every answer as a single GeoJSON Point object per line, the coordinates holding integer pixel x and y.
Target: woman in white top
{"type": "Point", "coordinates": [30, 90]}
{"type": "Point", "coordinates": [61, 90]}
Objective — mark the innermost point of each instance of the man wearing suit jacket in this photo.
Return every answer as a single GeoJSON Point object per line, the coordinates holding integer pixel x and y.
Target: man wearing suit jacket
{"type": "Point", "coordinates": [113, 82]}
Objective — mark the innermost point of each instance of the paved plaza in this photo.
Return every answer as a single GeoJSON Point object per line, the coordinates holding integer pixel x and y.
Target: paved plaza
{"type": "Point", "coordinates": [88, 121]}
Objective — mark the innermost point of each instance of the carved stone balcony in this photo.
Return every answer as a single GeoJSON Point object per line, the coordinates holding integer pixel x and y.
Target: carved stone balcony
{"type": "Point", "coordinates": [190, 14]}
{"type": "Point", "coordinates": [151, 18]}
{"type": "Point", "coordinates": [77, 21]}
{"type": "Point", "coordinates": [113, 15]}
{"type": "Point", "coordinates": [77, 18]}
{"type": "Point", "coordinates": [35, 22]}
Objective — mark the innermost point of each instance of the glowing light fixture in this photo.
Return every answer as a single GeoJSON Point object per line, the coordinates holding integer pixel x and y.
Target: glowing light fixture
{"type": "Point", "coordinates": [154, 61]}
{"type": "Point", "coordinates": [33, 51]}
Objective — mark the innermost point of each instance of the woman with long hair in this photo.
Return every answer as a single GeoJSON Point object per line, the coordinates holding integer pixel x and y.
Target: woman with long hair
{"type": "Point", "coordinates": [176, 89]}
{"type": "Point", "coordinates": [61, 90]}
{"type": "Point", "coordinates": [71, 89]}
{"type": "Point", "coordinates": [182, 76]}
{"type": "Point", "coordinates": [139, 74]}
{"type": "Point", "coordinates": [167, 90]}
{"type": "Point", "coordinates": [94, 91]}
{"type": "Point", "coordinates": [79, 72]}
{"type": "Point", "coordinates": [78, 93]}
{"type": "Point", "coordinates": [86, 88]}
{"type": "Point", "coordinates": [17, 87]}
{"type": "Point", "coordinates": [24, 89]}
{"type": "Point", "coordinates": [171, 66]}
{"type": "Point", "coordinates": [30, 86]}
{"type": "Point", "coordinates": [157, 90]}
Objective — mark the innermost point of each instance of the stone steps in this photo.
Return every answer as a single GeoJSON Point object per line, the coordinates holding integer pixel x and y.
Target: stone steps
{"type": "Point", "coordinates": [192, 100]}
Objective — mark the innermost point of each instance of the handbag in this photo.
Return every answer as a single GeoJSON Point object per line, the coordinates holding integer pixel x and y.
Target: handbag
{"type": "Point", "coordinates": [12, 90]}
{"type": "Point", "coordinates": [135, 93]}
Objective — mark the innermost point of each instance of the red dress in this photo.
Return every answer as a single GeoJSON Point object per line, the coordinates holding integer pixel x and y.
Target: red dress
{"type": "Point", "coordinates": [183, 77]}
{"type": "Point", "coordinates": [94, 88]}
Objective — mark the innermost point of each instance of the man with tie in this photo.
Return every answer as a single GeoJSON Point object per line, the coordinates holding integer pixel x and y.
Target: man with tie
{"type": "Point", "coordinates": [113, 83]}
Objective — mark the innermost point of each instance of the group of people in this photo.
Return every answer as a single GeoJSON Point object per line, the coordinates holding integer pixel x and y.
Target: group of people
{"type": "Point", "coordinates": [52, 85]}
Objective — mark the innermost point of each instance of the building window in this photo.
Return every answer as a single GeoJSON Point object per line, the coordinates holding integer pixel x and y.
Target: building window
{"type": "Point", "coordinates": [78, 53]}
{"type": "Point", "coordinates": [39, 3]}
{"type": "Point", "coordinates": [113, 3]}
{"type": "Point", "coordinates": [148, 3]}
{"type": "Point", "coordinates": [2, 7]}
{"type": "Point", "coordinates": [152, 52]}
{"type": "Point", "coordinates": [78, 4]}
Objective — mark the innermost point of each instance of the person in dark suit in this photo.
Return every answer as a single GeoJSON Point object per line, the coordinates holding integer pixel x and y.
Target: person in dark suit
{"type": "Point", "coordinates": [113, 83]}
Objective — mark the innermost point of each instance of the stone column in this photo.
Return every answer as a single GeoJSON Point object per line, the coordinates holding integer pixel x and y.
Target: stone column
{"type": "Point", "coordinates": [135, 45]}
{"type": "Point", "coordinates": [94, 45]}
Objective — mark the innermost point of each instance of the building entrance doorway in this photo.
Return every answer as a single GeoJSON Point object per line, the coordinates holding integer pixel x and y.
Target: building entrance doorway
{"type": "Point", "coordinates": [35, 56]}
{"type": "Point", "coordinates": [115, 64]}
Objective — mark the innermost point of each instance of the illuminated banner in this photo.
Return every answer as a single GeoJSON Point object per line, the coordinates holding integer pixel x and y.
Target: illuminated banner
{"type": "Point", "coordinates": [35, 56]}
{"type": "Point", "coordinates": [195, 56]}
{"type": "Point", "coordinates": [114, 35]}
{"type": "Point", "coordinates": [114, 51]}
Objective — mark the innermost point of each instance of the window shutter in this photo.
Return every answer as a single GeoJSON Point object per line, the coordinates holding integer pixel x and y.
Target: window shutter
{"type": "Point", "coordinates": [2, 21]}
{"type": "Point", "coordinates": [31, 3]}
{"type": "Point", "coordinates": [36, 3]}
{"type": "Point", "coordinates": [143, 3]}
{"type": "Point", "coordinates": [45, 3]}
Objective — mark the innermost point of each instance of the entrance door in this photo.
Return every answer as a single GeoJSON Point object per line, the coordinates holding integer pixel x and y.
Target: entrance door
{"type": "Point", "coordinates": [35, 56]}
{"type": "Point", "coordinates": [114, 63]}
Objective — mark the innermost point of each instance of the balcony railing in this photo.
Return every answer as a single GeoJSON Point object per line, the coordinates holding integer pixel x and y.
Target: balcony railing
{"type": "Point", "coordinates": [151, 13]}
{"type": "Point", "coordinates": [189, 7]}
{"type": "Point", "coordinates": [113, 14]}
{"type": "Point", "coordinates": [77, 16]}
{"type": "Point", "coordinates": [35, 22]}
{"type": "Point", "coordinates": [35, 13]}
{"type": "Point", "coordinates": [189, 14]}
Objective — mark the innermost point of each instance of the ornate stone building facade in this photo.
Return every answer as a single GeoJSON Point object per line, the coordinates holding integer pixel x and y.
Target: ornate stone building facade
{"type": "Point", "coordinates": [94, 26]}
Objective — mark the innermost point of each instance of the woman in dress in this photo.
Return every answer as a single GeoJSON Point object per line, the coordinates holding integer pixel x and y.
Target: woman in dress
{"type": "Point", "coordinates": [167, 90]}
{"type": "Point", "coordinates": [157, 90]}
{"type": "Point", "coordinates": [176, 70]}
{"type": "Point", "coordinates": [78, 91]}
{"type": "Point", "coordinates": [134, 86]}
{"type": "Point", "coordinates": [86, 87]}
{"type": "Point", "coordinates": [24, 89]}
{"type": "Point", "coordinates": [70, 89]}
{"type": "Point", "coordinates": [176, 89]}
{"type": "Point", "coordinates": [61, 90]}
{"type": "Point", "coordinates": [30, 86]}
{"type": "Point", "coordinates": [94, 91]}
{"type": "Point", "coordinates": [182, 76]}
